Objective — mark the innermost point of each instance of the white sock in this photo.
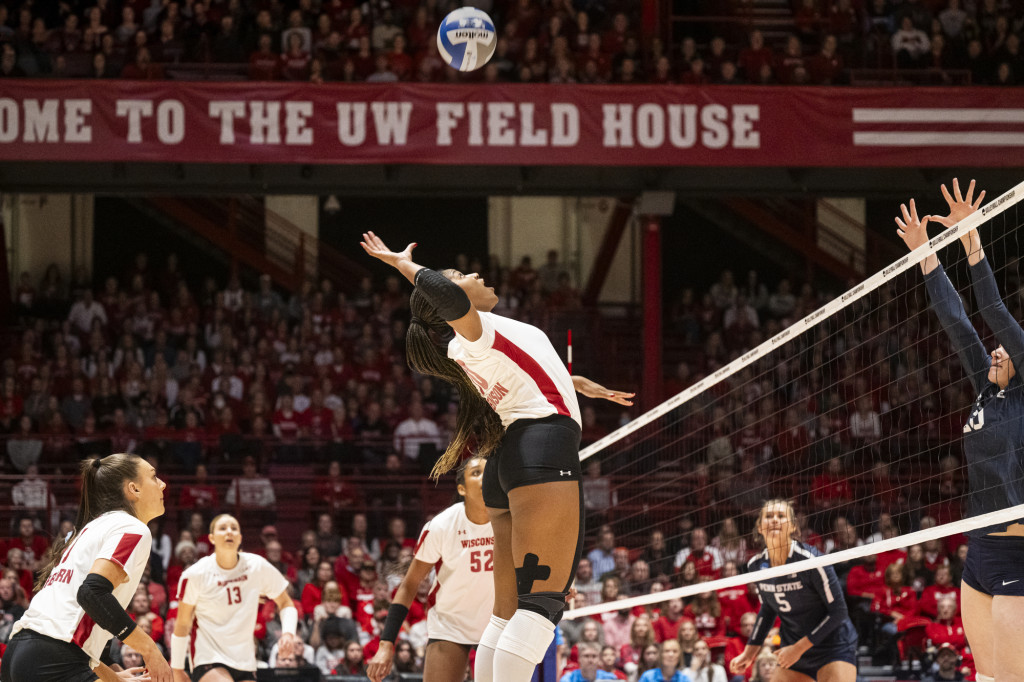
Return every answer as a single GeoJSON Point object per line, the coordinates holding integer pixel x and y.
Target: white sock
{"type": "Point", "coordinates": [522, 646]}
{"type": "Point", "coordinates": [483, 665]}
{"type": "Point", "coordinates": [983, 678]}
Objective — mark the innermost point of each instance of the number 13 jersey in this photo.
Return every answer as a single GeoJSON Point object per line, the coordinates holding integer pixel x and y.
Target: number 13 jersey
{"type": "Point", "coordinates": [226, 604]}
{"type": "Point", "coordinates": [462, 596]}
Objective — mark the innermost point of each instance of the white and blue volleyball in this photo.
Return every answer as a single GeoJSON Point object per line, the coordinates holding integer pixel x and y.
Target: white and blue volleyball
{"type": "Point", "coordinates": [466, 39]}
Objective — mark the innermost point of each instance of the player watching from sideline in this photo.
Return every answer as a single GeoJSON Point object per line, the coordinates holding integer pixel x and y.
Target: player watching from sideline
{"type": "Point", "coordinates": [222, 593]}
{"type": "Point", "coordinates": [461, 539]}
{"type": "Point", "coordinates": [818, 640]}
{"type": "Point", "coordinates": [89, 579]}
{"type": "Point", "coordinates": [519, 402]}
{"type": "Point", "coordinates": [992, 587]}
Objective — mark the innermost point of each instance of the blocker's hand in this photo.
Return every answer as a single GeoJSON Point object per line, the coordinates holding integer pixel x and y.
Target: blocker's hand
{"type": "Point", "coordinates": [911, 229]}
{"type": "Point", "coordinates": [592, 389]}
{"type": "Point", "coordinates": [376, 247]}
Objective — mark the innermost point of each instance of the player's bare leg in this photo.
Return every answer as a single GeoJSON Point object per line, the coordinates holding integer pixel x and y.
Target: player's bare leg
{"type": "Point", "coordinates": [545, 533]}
{"type": "Point", "coordinates": [978, 625]}
{"type": "Point", "coordinates": [445, 662]}
{"type": "Point", "coordinates": [1008, 621]}
{"type": "Point", "coordinates": [787, 675]}
{"type": "Point", "coordinates": [505, 597]}
{"type": "Point", "coordinates": [837, 671]}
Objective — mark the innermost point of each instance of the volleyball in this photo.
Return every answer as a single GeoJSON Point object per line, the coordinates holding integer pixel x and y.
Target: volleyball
{"type": "Point", "coordinates": [466, 39]}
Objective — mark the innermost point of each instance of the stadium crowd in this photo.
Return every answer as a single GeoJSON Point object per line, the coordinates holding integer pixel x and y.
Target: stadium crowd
{"type": "Point", "coordinates": [554, 41]}
{"type": "Point", "coordinates": [224, 380]}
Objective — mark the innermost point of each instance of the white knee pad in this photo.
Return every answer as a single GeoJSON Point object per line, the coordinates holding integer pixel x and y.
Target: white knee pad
{"type": "Point", "coordinates": [527, 635]}
{"type": "Point", "coordinates": [983, 678]}
{"type": "Point", "coordinates": [483, 665]}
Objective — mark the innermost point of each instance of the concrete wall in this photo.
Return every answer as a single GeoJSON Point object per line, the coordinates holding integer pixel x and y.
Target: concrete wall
{"type": "Point", "coordinates": [302, 211]}
{"type": "Point", "coordinates": [48, 228]}
{"type": "Point", "coordinates": [575, 227]}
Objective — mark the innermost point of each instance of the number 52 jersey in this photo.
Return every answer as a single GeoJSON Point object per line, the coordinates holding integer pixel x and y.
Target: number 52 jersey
{"type": "Point", "coordinates": [226, 603]}
{"type": "Point", "coordinates": [462, 597]}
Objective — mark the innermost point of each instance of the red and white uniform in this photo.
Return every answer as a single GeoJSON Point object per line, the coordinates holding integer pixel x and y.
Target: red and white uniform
{"type": "Point", "coordinates": [55, 611]}
{"type": "Point", "coordinates": [226, 605]}
{"type": "Point", "coordinates": [462, 597]}
{"type": "Point", "coordinates": [516, 370]}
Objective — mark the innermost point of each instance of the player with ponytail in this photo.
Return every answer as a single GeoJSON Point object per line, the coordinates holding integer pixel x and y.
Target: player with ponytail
{"type": "Point", "coordinates": [89, 579]}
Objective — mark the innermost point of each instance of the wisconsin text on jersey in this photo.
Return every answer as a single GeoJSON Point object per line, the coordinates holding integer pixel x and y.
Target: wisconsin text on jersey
{"type": "Point", "coordinates": [240, 579]}
{"type": "Point", "coordinates": [478, 542]}
{"type": "Point", "coordinates": [494, 396]}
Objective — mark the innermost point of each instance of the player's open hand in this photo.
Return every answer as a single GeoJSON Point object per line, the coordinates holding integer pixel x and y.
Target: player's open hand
{"type": "Point", "coordinates": [788, 655]}
{"type": "Point", "coordinates": [911, 229]}
{"type": "Point", "coordinates": [739, 665]}
{"type": "Point", "coordinates": [376, 247]}
{"type": "Point", "coordinates": [379, 666]}
{"type": "Point", "coordinates": [592, 389]}
{"type": "Point", "coordinates": [959, 206]}
{"type": "Point", "coordinates": [136, 674]}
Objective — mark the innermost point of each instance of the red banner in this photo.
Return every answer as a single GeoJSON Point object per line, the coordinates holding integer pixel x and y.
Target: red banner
{"type": "Point", "coordinates": [508, 124]}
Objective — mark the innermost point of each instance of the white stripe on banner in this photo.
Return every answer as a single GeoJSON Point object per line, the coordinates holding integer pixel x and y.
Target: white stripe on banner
{"type": "Point", "coordinates": [938, 115]}
{"type": "Point", "coordinates": [899, 542]}
{"type": "Point", "coordinates": [937, 139]}
{"type": "Point", "coordinates": [990, 210]}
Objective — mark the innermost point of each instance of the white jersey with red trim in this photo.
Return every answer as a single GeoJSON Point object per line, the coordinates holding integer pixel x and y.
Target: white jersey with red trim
{"type": "Point", "coordinates": [55, 611]}
{"type": "Point", "coordinates": [462, 597]}
{"type": "Point", "coordinates": [226, 604]}
{"type": "Point", "coordinates": [516, 370]}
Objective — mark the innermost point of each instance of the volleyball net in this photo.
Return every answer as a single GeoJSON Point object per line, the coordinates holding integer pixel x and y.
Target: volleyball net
{"type": "Point", "coordinates": [855, 413]}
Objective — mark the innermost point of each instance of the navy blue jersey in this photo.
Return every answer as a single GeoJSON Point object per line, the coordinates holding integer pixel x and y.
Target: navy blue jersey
{"type": "Point", "coordinates": [809, 603]}
{"type": "Point", "coordinates": [994, 432]}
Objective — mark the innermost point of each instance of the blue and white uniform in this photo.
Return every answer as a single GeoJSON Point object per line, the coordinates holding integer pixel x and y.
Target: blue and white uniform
{"type": "Point", "coordinates": [809, 604]}
{"type": "Point", "coordinates": [994, 432]}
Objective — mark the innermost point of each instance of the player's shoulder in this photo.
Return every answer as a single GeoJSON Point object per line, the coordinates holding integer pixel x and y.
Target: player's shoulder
{"type": "Point", "coordinates": [756, 562]}
{"type": "Point", "coordinates": [119, 520]}
{"type": "Point", "coordinates": [801, 550]}
{"type": "Point", "coordinates": [200, 567]}
{"type": "Point", "coordinates": [450, 518]}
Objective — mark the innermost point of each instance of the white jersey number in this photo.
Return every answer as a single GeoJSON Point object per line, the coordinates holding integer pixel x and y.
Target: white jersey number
{"type": "Point", "coordinates": [784, 606]}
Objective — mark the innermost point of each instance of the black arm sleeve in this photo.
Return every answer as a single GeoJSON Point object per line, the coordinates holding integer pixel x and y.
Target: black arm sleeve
{"type": "Point", "coordinates": [97, 598]}
{"type": "Point", "coordinates": [445, 295]}
{"type": "Point", "coordinates": [393, 624]}
{"type": "Point", "coordinates": [995, 314]}
{"type": "Point", "coordinates": [950, 310]}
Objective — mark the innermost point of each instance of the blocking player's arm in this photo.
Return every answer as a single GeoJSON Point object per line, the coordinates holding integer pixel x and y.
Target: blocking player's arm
{"type": "Point", "coordinates": [948, 307]}
{"type": "Point", "coordinates": [994, 312]}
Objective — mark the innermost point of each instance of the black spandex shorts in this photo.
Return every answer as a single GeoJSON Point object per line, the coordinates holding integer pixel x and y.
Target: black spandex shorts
{"type": "Point", "coordinates": [533, 451]}
{"type": "Point", "coordinates": [994, 566]}
{"type": "Point", "coordinates": [236, 674]}
{"type": "Point", "coordinates": [32, 657]}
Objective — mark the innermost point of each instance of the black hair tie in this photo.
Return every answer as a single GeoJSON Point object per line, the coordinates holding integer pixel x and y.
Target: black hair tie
{"type": "Point", "coordinates": [96, 463]}
{"type": "Point", "coordinates": [416, 320]}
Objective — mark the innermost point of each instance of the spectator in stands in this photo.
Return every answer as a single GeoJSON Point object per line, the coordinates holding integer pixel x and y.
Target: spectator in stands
{"type": "Point", "coordinates": [641, 635]}
{"type": "Point", "coordinates": [946, 661]}
{"type": "Point", "coordinates": [416, 431]}
{"type": "Point", "coordinates": [909, 44]}
{"type": "Point", "coordinates": [24, 447]}
{"type": "Point", "coordinates": [32, 495]}
{"type": "Point", "coordinates": [666, 627]}
{"type": "Point", "coordinates": [252, 492]}
{"type": "Point", "coordinates": [942, 588]}
{"type": "Point", "coordinates": [670, 665]}
{"type": "Point", "coordinates": [32, 545]}
{"type": "Point", "coordinates": [894, 602]}
{"type": "Point", "coordinates": [602, 558]}
{"type": "Point", "coordinates": [658, 556]}
{"type": "Point", "coordinates": [706, 613]}
{"type": "Point", "coordinates": [736, 645]}
{"type": "Point", "coordinates": [585, 582]}
{"type": "Point", "coordinates": [707, 560]}
{"type": "Point", "coordinates": [948, 627]}
{"type": "Point", "coordinates": [731, 546]}
{"type": "Point", "coordinates": [702, 666]}
{"type": "Point", "coordinates": [589, 655]}
{"type": "Point", "coordinates": [764, 666]}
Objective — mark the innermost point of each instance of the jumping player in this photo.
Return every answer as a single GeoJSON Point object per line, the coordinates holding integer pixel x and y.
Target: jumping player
{"type": "Point", "coordinates": [90, 579]}
{"type": "Point", "coordinates": [518, 402]}
{"type": "Point", "coordinates": [818, 639]}
{"type": "Point", "coordinates": [992, 589]}
{"type": "Point", "coordinates": [460, 543]}
{"type": "Point", "coordinates": [222, 593]}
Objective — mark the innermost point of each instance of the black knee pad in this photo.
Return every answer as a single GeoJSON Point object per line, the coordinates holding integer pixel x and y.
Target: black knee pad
{"type": "Point", "coordinates": [548, 604]}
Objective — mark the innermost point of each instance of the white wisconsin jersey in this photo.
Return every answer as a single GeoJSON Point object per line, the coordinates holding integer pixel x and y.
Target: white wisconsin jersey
{"type": "Point", "coordinates": [462, 597]}
{"type": "Point", "coordinates": [226, 604]}
{"type": "Point", "coordinates": [516, 370]}
{"type": "Point", "coordinates": [55, 611]}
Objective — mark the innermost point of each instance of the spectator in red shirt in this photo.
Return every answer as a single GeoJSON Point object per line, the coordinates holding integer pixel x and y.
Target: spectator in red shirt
{"type": "Point", "coordinates": [831, 488]}
{"type": "Point", "coordinates": [199, 493]}
{"type": "Point", "coordinates": [335, 493]}
{"type": "Point", "coordinates": [312, 592]}
{"type": "Point", "coordinates": [706, 613]}
{"type": "Point", "coordinates": [641, 635]}
{"type": "Point", "coordinates": [707, 560]}
{"type": "Point", "coordinates": [948, 627]}
{"type": "Point", "coordinates": [894, 603]}
{"type": "Point", "coordinates": [736, 601]}
{"type": "Point", "coordinates": [32, 545]}
{"type": "Point", "coordinates": [295, 61]}
{"type": "Point", "coordinates": [942, 588]}
{"type": "Point", "coordinates": [755, 56]}
{"type": "Point", "coordinates": [667, 626]}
